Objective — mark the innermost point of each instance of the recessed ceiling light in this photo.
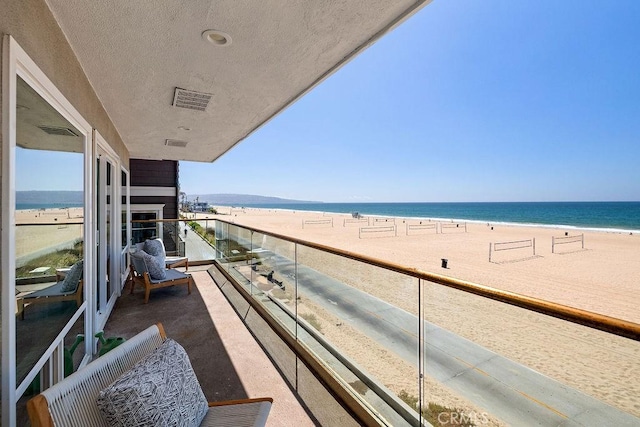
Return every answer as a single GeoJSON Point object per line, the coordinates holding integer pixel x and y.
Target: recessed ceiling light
{"type": "Point", "coordinates": [184, 128]}
{"type": "Point", "coordinates": [217, 38]}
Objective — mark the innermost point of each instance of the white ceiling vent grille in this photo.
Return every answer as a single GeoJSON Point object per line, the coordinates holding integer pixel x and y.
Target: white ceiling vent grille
{"type": "Point", "coordinates": [175, 143]}
{"type": "Point", "coordinates": [192, 100]}
{"type": "Point", "coordinates": [57, 130]}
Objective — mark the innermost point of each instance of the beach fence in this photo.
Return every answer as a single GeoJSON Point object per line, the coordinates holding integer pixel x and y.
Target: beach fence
{"type": "Point", "coordinates": [520, 246]}
{"type": "Point", "coordinates": [563, 240]}
{"type": "Point", "coordinates": [317, 222]}
{"type": "Point", "coordinates": [380, 231]}
{"type": "Point", "coordinates": [455, 226]}
{"type": "Point", "coordinates": [351, 221]}
{"type": "Point", "coordinates": [421, 228]}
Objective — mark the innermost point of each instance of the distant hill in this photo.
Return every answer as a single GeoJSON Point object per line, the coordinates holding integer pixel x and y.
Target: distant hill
{"type": "Point", "coordinates": [243, 199]}
{"type": "Point", "coordinates": [75, 198]}
{"type": "Point", "coordinates": [49, 197]}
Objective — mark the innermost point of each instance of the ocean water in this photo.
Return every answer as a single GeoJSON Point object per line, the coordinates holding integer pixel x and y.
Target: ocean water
{"type": "Point", "coordinates": [25, 206]}
{"type": "Point", "coordinates": [618, 216]}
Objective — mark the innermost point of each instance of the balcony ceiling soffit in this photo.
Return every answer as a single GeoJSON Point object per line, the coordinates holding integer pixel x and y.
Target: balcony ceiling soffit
{"type": "Point", "coordinates": [135, 53]}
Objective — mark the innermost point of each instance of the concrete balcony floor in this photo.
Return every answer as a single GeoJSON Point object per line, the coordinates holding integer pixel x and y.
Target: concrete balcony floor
{"type": "Point", "coordinates": [229, 363]}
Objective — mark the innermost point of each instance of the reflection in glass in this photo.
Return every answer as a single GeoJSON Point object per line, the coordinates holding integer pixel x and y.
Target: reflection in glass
{"type": "Point", "coordinates": [143, 226]}
{"type": "Point", "coordinates": [98, 214]}
{"type": "Point", "coordinates": [106, 236]}
{"type": "Point", "coordinates": [49, 225]}
{"type": "Point", "coordinates": [124, 241]}
{"type": "Point", "coordinates": [123, 191]}
{"type": "Point", "coordinates": [108, 212]}
{"type": "Point", "coordinates": [369, 316]}
{"type": "Point", "coordinates": [74, 351]}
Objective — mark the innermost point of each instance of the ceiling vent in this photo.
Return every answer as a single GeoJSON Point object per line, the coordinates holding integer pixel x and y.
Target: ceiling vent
{"type": "Point", "coordinates": [57, 130]}
{"type": "Point", "coordinates": [175, 143]}
{"type": "Point", "coordinates": [192, 100]}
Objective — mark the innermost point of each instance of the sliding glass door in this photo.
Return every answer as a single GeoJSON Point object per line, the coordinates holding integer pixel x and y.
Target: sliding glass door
{"type": "Point", "coordinates": [107, 245]}
{"type": "Point", "coordinates": [46, 238]}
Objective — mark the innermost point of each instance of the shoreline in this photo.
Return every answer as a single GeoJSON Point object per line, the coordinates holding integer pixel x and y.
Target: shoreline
{"type": "Point", "coordinates": [597, 278]}
{"type": "Point", "coordinates": [438, 219]}
{"type": "Point", "coordinates": [600, 278]}
{"type": "Point", "coordinates": [49, 216]}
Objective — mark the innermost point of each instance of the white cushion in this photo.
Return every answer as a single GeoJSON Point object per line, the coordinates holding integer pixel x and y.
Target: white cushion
{"type": "Point", "coordinates": [159, 390]}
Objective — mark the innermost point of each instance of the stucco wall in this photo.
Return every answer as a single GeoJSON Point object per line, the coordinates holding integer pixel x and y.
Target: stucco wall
{"type": "Point", "coordinates": [33, 26]}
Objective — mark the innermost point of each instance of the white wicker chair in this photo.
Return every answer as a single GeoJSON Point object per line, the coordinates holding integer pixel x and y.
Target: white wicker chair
{"type": "Point", "coordinates": [72, 402]}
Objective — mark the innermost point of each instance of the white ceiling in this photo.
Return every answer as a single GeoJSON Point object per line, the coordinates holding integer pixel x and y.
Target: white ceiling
{"type": "Point", "coordinates": [32, 113]}
{"type": "Point", "coordinates": [135, 53]}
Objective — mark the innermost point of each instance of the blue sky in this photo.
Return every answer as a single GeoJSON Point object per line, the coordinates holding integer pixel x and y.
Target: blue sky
{"type": "Point", "coordinates": [466, 101]}
{"type": "Point", "coordinates": [48, 170]}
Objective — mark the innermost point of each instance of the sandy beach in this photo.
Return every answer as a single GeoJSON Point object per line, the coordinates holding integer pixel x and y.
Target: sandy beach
{"type": "Point", "coordinates": [50, 216]}
{"type": "Point", "coordinates": [602, 278]}
{"type": "Point", "coordinates": [40, 229]}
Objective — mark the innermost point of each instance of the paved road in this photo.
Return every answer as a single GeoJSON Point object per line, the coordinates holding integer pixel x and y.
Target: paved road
{"type": "Point", "coordinates": [195, 248]}
{"type": "Point", "coordinates": [510, 391]}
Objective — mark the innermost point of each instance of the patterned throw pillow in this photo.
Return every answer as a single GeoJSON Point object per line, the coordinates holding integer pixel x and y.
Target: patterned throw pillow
{"type": "Point", "coordinates": [155, 248]}
{"type": "Point", "coordinates": [72, 279]}
{"type": "Point", "coordinates": [159, 390]}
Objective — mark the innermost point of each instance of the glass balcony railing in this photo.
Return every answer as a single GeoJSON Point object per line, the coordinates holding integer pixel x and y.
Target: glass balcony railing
{"type": "Point", "coordinates": [411, 346]}
{"type": "Point", "coordinates": [181, 237]}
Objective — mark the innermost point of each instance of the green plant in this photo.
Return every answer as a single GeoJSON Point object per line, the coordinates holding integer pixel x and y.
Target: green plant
{"type": "Point", "coordinates": [438, 415]}
{"type": "Point", "coordinates": [195, 226]}
{"type": "Point", "coordinates": [360, 387]}
{"type": "Point", "coordinates": [210, 235]}
{"type": "Point", "coordinates": [312, 320]}
{"type": "Point", "coordinates": [58, 259]}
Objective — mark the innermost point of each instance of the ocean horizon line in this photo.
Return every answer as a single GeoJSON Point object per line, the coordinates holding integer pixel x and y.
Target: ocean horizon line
{"type": "Point", "coordinates": [619, 217]}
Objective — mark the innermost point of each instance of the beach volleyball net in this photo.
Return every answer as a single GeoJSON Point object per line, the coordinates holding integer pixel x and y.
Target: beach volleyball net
{"type": "Point", "coordinates": [317, 222]}
{"type": "Point", "coordinates": [354, 221]}
{"type": "Point", "coordinates": [381, 231]}
{"type": "Point", "coordinates": [382, 221]}
{"type": "Point", "coordinates": [413, 229]}
{"type": "Point", "coordinates": [564, 240]}
{"type": "Point", "coordinates": [453, 227]}
{"type": "Point", "coordinates": [518, 250]}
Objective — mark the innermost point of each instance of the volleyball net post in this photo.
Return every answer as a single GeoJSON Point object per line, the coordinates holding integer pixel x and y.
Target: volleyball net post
{"type": "Point", "coordinates": [308, 222]}
{"type": "Point", "coordinates": [349, 221]}
{"type": "Point", "coordinates": [430, 226]}
{"type": "Point", "coordinates": [456, 225]}
{"type": "Point", "coordinates": [512, 245]}
{"type": "Point", "coordinates": [376, 221]}
{"type": "Point", "coordinates": [380, 231]}
{"type": "Point", "coordinates": [563, 240]}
